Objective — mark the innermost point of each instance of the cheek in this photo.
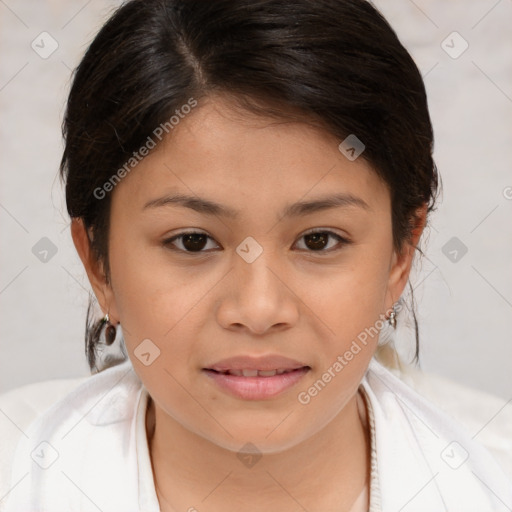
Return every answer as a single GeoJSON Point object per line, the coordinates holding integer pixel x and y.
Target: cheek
{"type": "Point", "coordinates": [161, 302]}
{"type": "Point", "coordinates": [160, 312]}
{"type": "Point", "coordinates": [351, 305]}
{"type": "Point", "coordinates": [352, 298]}
{"type": "Point", "coordinates": [149, 296]}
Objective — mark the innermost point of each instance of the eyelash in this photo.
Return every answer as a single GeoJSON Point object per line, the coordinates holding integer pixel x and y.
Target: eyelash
{"type": "Point", "coordinates": [343, 241]}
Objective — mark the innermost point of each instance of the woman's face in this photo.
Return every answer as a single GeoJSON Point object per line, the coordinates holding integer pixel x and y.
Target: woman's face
{"type": "Point", "coordinates": [255, 282]}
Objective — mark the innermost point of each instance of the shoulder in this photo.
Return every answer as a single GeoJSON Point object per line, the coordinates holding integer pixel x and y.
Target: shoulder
{"type": "Point", "coordinates": [488, 418]}
{"type": "Point", "coordinates": [427, 458]}
{"type": "Point", "coordinates": [57, 419]}
{"type": "Point", "coordinates": [18, 409]}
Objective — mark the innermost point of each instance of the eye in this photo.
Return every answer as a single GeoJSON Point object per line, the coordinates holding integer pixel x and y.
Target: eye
{"type": "Point", "coordinates": [190, 241]}
{"type": "Point", "coordinates": [197, 241]}
{"type": "Point", "coordinates": [318, 240]}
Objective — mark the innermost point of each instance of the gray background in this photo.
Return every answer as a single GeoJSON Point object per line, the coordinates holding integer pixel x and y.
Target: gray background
{"type": "Point", "coordinates": [464, 305]}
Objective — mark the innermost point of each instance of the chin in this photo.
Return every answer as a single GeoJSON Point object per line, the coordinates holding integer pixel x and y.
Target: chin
{"type": "Point", "coordinates": [258, 436]}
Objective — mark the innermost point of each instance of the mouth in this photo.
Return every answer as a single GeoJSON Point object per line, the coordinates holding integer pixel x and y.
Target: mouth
{"type": "Point", "coordinates": [256, 384]}
{"type": "Point", "coordinates": [256, 373]}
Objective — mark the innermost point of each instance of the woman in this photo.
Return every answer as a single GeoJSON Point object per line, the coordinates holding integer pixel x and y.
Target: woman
{"type": "Point", "coordinates": [248, 182]}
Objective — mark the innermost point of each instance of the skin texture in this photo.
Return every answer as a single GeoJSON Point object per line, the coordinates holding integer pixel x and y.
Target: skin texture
{"type": "Point", "coordinates": [198, 308]}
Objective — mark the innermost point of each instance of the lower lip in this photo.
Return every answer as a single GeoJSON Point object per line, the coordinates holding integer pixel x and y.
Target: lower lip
{"type": "Point", "coordinates": [257, 388]}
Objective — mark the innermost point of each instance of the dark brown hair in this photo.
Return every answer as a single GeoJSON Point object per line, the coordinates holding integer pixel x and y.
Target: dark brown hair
{"type": "Point", "coordinates": [334, 63]}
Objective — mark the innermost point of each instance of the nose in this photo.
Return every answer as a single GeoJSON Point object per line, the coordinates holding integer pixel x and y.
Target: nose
{"type": "Point", "coordinates": [258, 298]}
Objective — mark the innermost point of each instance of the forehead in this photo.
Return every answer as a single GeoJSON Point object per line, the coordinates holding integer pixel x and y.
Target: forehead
{"type": "Point", "coordinates": [242, 160]}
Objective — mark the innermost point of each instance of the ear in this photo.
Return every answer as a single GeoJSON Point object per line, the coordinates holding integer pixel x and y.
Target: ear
{"type": "Point", "coordinates": [402, 262]}
{"type": "Point", "coordinates": [94, 268]}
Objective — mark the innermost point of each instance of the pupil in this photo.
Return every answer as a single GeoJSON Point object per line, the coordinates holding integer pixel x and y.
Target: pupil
{"type": "Point", "coordinates": [194, 242]}
{"type": "Point", "coordinates": [319, 240]}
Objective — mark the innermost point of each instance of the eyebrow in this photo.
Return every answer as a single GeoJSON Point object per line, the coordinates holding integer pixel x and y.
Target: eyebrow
{"type": "Point", "coordinates": [298, 209]}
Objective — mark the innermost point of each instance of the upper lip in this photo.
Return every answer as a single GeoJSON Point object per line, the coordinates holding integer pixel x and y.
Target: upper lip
{"type": "Point", "coordinates": [264, 363]}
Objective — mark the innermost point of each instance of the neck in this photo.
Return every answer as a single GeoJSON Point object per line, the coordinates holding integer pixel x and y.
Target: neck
{"type": "Point", "coordinates": [334, 464]}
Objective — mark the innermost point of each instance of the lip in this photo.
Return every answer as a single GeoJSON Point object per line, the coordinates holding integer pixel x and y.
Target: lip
{"type": "Point", "coordinates": [264, 363]}
{"type": "Point", "coordinates": [258, 387]}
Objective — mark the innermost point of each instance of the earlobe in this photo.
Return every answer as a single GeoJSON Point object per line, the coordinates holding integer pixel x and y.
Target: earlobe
{"type": "Point", "coordinates": [93, 267]}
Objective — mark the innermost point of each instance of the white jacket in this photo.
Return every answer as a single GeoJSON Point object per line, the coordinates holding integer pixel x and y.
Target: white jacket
{"type": "Point", "coordinates": [88, 451]}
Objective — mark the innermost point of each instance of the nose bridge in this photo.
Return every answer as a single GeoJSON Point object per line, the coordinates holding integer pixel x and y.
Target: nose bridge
{"type": "Point", "coordinates": [258, 298]}
{"type": "Point", "coordinates": [256, 266]}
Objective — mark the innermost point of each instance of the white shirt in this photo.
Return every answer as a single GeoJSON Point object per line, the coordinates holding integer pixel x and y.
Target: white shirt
{"type": "Point", "coordinates": [89, 451]}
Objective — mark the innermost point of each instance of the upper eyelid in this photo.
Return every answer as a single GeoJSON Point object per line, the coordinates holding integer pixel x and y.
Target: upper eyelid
{"type": "Point", "coordinates": [330, 231]}
{"type": "Point", "coordinates": [308, 232]}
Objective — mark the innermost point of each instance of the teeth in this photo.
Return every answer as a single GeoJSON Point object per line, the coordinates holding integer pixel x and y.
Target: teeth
{"type": "Point", "coordinates": [268, 373]}
{"type": "Point", "coordinates": [249, 373]}
{"type": "Point", "coordinates": [257, 373]}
